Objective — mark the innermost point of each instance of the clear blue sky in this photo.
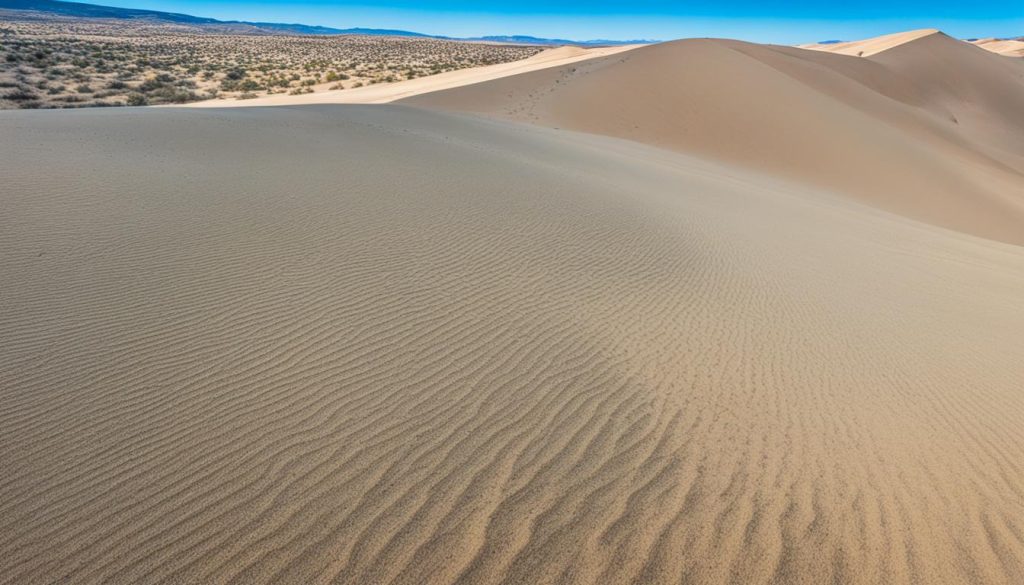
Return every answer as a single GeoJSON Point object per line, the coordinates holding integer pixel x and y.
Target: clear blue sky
{"type": "Point", "coordinates": [786, 21]}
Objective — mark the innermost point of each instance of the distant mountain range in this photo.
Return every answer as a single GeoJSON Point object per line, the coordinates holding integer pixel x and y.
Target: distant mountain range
{"type": "Point", "coordinates": [82, 10]}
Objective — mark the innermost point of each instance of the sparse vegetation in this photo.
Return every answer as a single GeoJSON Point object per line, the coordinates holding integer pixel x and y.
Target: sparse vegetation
{"type": "Point", "coordinates": [64, 62]}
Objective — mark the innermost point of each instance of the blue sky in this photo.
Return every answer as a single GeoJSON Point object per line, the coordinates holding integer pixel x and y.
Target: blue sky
{"type": "Point", "coordinates": [788, 21]}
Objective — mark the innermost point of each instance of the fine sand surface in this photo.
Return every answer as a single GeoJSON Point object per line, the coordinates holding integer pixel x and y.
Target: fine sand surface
{"type": "Point", "coordinates": [1008, 47]}
{"type": "Point", "coordinates": [875, 45]}
{"type": "Point", "coordinates": [388, 92]}
{"type": "Point", "coordinates": [932, 128]}
{"type": "Point", "coordinates": [378, 344]}
{"type": "Point", "coordinates": [872, 46]}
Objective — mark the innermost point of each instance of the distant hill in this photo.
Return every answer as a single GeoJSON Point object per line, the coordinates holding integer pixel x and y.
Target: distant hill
{"type": "Point", "coordinates": [82, 10]}
{"type": "Point", "coordinates": [78, 9]}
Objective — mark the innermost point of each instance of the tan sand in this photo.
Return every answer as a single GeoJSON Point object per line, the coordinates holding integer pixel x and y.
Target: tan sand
{"type": "Point", "coordinates": [872, 46]}
{"type": "Point", "coordinates": [376, 344]}
{"type": "Point", "coordinates": [388, 92]}
{"type": "Point", "coordinates": [875, 45]}
{"type": "Point", "coordinates": [932, 128]}
{"type": "Point", "coordinates": [1007, 47]}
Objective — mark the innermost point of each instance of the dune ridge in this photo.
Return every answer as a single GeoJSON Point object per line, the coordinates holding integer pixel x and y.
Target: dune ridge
{"type": "Point", "coordinates": [427, 347]}
{"type": "Point", "coordinates": [873, 45]}
{"type": "Point", "coordinates": [930, 128]}
{"type": "Point", "coordinates": [876, 45]}
{"type": "Point", "coordinates": [1007, 47]}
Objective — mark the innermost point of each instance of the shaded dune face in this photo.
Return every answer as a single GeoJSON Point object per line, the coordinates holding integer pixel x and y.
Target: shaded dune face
{"type": "Point", "coordinates": [385, 345]}
{"type": "Point", "coordinates": [930, 129]}
{"type": "Point", "coordinates": [982, 92]}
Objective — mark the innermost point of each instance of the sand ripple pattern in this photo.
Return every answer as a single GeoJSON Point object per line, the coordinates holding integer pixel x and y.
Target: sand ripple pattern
{"type": "Point", "coordinates": [379, 345]}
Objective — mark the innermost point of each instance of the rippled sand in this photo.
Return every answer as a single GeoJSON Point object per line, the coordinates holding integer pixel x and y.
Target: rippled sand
{"type": "Point", "coordinates": [374, 344]}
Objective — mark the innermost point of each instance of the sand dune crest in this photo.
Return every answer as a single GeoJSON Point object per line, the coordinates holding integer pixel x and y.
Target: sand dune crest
{"type": "Point", "coordinates": [874, 45]}
{"type": "Point", "coordinates": [901, 130]}
{"type": "Point", "coordinates": [1007, 47]}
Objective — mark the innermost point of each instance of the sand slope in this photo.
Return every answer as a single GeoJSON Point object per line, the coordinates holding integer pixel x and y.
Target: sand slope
{"type": "Point", "coordinates": [982, 93]}
{"type": "Point", "coordinates": [872, 46]}
{"type": "Point", "coordinates": [930, 129]}
{"type": "Point", "coordinates": [875, 45]}
{"type": "Point", "coordinates": [1007, 47]}
{"type": "Point", "coordinates": [374, 344]}
{"type": "Point", "coordinates": [388, 92]}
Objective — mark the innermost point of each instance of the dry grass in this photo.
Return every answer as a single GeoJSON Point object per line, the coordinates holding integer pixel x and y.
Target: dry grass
{"type": "Point", "coordinates": [53, 62]}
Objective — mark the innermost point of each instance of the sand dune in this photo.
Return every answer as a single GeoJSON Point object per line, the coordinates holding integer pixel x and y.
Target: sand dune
{"type": "Point", "coordinates": [872, 46]}
{"type": "Point", "coordinates": [932, 128]}
{"type": "Point", "coordinates": [875, 45]}
{"type": "Point", "coordinates": [376, 344]}
{"type": "Point", "coordinates": [1007, 47]}
{"type": "Point", "coordinates": [719, 313]}
{"type": "Point", "coordinates": [389, 92]}
{"type": "Point", "coordinates": [981, 92]}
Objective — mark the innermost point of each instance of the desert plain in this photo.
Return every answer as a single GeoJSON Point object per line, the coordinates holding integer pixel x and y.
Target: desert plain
{"type": "Point", "coordinates": [703, 311]}
{"type": "Point", "coordinates": [49, 61]}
